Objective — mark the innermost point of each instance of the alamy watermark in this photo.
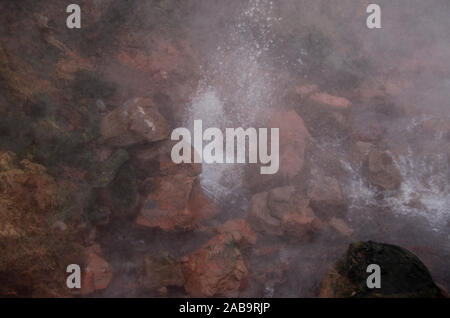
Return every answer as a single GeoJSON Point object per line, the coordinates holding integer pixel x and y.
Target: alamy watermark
{"type": "Point", "coordinates": [231, 150]}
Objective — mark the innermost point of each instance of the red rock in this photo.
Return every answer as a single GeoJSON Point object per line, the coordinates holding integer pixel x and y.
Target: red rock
{"type": "Point", "coordinates": [335, 102]}
{"type": "Point", "coordinates": [216, 269]}
{"type": "Point", "coordinates": [306, 89]}
{"type": "Point", "coordinates": [177, 202]}
{"type": "Point", "coordinates": [70, 63]}
{"type": "Point", "coordinates": [239, 230]}
{"type": "Point", "coordinates": [293, 141]}
{"type": "Point", "coordinates": [96, 275]}
{"type": "Point", "coordinates": [163, 59]}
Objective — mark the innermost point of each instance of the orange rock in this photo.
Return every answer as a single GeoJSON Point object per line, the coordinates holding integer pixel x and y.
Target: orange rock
{"type": "Point", "coordinates": [96, 275]}
{"type": "Point", "coordinates": [341, 227]}
{"type": "Point", "coordinates": [293, 141]}
{"type": "Point", "coordinates": [306, 89]}
{"type": "Point", "coordinates": [177, 202]}
{"type": "Point", "coordinates": [336, 102]}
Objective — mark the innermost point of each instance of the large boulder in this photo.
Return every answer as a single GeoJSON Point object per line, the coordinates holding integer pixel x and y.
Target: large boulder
{"type": "Point", "coordinates": [138, 120]}
{"type": "Point", "coordinates": [402, 274]}
{"type": "Point", "coordinates": [382, 171]}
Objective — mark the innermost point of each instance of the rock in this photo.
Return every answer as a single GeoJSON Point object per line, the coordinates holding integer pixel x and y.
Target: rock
{"type": "Point", "coordinates": [8, 160]}
{"type": "Point", "coordinates": [96, 275]}
{"type": "Point", "coordinates": [28, 179]}
{"type": "Point", "coordinates": [359, 151]}
{"type": "Point", "coordinates": [326, 197]}
{"type": "Point", "coordinates": [439, 127]}
{"type": "Point", "coordinates": [216, 269]}
{"type": "Point", "coordinates": [163, 59]}
{"type": "Point", "coordinates": [106, 171]}
{"type": "Point", "coordinates": [334, 102]}
{"type": "Point", "coordinates": [305, 89]}
{"type": "Point", "coordinates": [155, 159]}
{"type": "Point", "coordinates": [138, 120]}
{"type": "Point", "coordinates": [382, 170]}
{"type": "Point", "coordinates": [403, 275]}
{"type": "Point", "coordinates": [60, 225]}
{"type": "Point", "coordinates": [160, 272]}
{"type": "Point", "coordinates": [260, 218]}
{"type": "Point", "coordinates": [293, 141]}
{"type": "Point", "coordinates": [30, 207]}
{"type": "Point", "coordinates": [98, 215]}
{"type": "Point", "coordinates": [121, 196]}
{"type": "Point", "coordinates": [177, 202]}
{"type": "Point", "coordinates": [282, 211]}
{"type": "Point", "coordinates": [239, 231]}
{"type": "Point", "coordinates": [340, 226]}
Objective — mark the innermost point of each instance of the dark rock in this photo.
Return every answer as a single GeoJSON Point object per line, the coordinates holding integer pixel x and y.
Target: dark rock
{"type": "Point", "coordinates": [106, 171]}
{"type": "Point", "coordinates": [402, 274]}
{"type": "Point", "coordinates": [161, 271]}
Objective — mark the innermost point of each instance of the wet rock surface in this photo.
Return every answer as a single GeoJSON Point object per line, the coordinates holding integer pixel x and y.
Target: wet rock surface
{"type": "Point", "coordinates": [403, 275]}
